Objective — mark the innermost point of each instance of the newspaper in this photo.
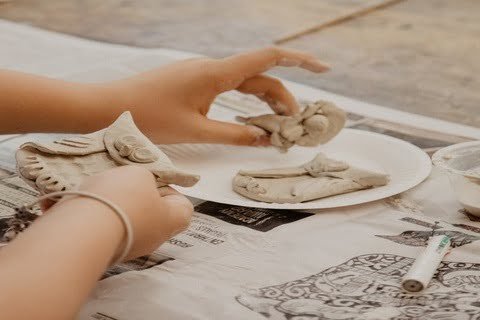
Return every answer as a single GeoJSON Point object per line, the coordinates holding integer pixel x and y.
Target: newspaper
{"type": "Point", "coordinates": [247, 263]}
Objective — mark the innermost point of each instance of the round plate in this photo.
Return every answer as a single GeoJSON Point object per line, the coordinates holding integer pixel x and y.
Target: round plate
{"type": "Point", "coordinates": [406, 164]}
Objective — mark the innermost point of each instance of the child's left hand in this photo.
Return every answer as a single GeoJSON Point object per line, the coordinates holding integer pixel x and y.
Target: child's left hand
{"type": "Point", "coordinates": [170, 103]}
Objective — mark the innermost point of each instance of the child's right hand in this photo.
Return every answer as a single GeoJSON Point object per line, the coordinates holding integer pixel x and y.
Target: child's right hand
{"type": "Point", "coordinates": [170, 104]}
{"type": "Point", "coordinates": [156, 215]}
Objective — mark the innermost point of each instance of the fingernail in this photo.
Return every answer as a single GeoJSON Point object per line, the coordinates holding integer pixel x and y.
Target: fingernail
{"type": "Point", "coordinates": [315, 65]}
{"type": "Point", "coordinates": [295, 110]}
{"type": "Point", "coordinates": [275, 105]}
{"type": "Point", "coordinates": [272, 104]}
{"type": "Point", "coordinates": [281, 109]}
{"type": "Point", "coordinates": [241, 119]}
{"type": "Point", "coordinates": [260, 135]}
{"type": "Point", "coordinates": [165, 191]}
{"type": "Point", "coordinates": [287, 62]}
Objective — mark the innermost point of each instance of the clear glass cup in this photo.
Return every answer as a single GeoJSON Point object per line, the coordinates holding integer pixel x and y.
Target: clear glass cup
{"type": "Point", "coordinates": [462, 164]}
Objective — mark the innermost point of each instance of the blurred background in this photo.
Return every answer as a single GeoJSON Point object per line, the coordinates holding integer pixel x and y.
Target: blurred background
{"type": "Point", "coordinates": [421, 56]}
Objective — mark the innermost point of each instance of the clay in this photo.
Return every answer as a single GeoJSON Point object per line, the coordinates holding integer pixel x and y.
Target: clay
{"type": "Point", "coordinates": [62, 164]}
{"type": "Point", "coordinates": [317, 124]}
{"type": "Point", "coordinates": [322, 177]}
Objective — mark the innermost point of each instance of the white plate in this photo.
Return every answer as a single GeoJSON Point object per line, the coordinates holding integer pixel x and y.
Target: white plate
{"type": "Point", "coordinates": [406, 164]}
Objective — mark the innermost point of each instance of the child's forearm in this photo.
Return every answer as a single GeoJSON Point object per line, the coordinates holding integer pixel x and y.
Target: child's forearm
{"type": "Point", "coordinates": [31, 103]}
{"type": "Point", "coordinates": [56, 263]}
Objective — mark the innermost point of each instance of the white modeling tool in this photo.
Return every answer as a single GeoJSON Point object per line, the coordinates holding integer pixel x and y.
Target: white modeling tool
{"type": "Point", "coordinates": [423, 269]}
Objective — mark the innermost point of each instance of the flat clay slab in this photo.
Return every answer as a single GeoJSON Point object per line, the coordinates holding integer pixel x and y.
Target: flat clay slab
{"type": "Point", "coordinates": [322, 177]}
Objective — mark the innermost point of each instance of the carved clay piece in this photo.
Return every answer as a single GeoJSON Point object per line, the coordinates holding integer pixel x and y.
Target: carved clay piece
{"type": "Point", "coordinates": [317, 124]}
{"type": "Point", "coordinates": [61, 165]}
{"type": "Point", "coordinates": [322, 177]}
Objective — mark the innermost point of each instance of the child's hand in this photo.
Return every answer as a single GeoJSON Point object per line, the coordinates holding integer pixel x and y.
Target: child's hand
{"type": "Point", "coordinates": [156, 214]}
{"type": "Point", "coordinates": [85, 236]}
{"type": "Point", "coordinates": [170, 104]}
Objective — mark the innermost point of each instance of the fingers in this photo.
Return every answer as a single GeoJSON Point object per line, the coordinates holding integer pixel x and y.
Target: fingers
{"type": "Point", "coordinates": [246, 65]}
{"type": "Point", "coordinates": [167, 191]}
{"type": "Point", "coordinates": [179, 210]}
{"type": "Point", "coordinates": [213, 131]}
{"type": "Point", "coordinates": [273, 92]}
{"type": "Point", "coordinates": [170, 176]}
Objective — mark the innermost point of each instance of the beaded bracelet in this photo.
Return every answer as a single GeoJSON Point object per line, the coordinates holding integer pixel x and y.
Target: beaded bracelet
{"type": "Point", "coordinates": [118, 211]}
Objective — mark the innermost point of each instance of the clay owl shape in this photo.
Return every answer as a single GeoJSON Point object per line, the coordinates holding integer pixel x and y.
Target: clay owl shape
{"type": "Point", "coordinates": [62, 164]}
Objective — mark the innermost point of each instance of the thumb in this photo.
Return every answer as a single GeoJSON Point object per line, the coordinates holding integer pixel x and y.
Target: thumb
{"type": "Point", "coordinates": [178, 211]}
{"type": "Point", "coordinates": [229, 133]}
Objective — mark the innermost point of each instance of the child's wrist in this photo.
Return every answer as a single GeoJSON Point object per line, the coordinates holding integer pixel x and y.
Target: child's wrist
{"type": "Point", "coordinates": [102, 222]}
{"type": "Point", "coordinates": [99, 105]}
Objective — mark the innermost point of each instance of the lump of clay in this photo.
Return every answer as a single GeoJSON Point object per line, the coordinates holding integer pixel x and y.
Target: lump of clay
{"type": "Point", "coordinates": [322, 177]}
{"type": "Point", "coordinates": [61, 164]}
{"type": "Point", "coordinates": [317, 124]}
